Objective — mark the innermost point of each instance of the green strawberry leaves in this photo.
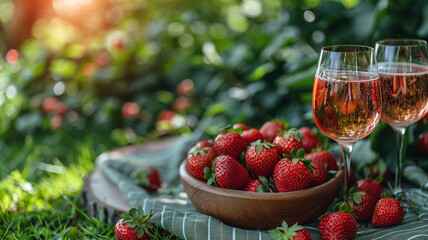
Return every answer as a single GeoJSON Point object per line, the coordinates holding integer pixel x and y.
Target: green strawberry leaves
{"type": "Point", "coordinates": [229, 128]}
{"type": "Point", "coordinates": [292, 132]}
{"type": "Point", "coordinates": [354, 196]}
{"type": "Point", "coordinates": [210, 175]}
{"type": "Point", "coordinates": [261, 145]}
{"type": "Point", "coordinates": [141, 177]}
{"type": "Point", "coordinates": [200, 151]}
{"type": "Point", "coordinates": [284, 232]}
{"type": "Point", "coordinates": [267, 185]}
{"type": "Point", "coordinates": [340, 207]}
{"type": "Point", "coordinates": [136, 220]}
{"type": "Point", "coordinates": [299, 155]}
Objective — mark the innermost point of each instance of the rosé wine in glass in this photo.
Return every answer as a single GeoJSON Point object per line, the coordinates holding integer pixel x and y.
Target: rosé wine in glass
{"type": "Point", "coordinates": [346, 110]}
{"type": "Point", "coordinates": [346, 97]}
{"type": "Point", "coordinates": [403, 72]}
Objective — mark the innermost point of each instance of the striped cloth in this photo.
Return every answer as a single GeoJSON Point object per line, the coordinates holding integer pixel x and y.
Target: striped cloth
{"type": "Point", "coordinates": [175, 213]}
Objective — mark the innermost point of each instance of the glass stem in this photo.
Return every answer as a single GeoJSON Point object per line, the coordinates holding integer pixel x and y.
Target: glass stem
{"type": "Point", "coordinates": [399, 135]}
{"type": "Point", "coordinates": [347, 150]}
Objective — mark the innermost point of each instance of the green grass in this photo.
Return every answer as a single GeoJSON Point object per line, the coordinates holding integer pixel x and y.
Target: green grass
{"type": "Point", "coordinates": [41, 182]}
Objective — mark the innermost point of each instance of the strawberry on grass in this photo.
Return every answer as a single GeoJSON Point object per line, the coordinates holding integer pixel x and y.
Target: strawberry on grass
{"type": "Point", "coordinates": [339, 224]}
{"type": "Point", "coordinates": [261, 158]}
{"type": "Point", "coordinates": [295, 232]}
{"type": "Point", "coordinates": [134, 225]}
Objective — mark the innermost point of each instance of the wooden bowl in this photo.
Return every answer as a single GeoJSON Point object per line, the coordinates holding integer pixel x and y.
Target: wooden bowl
{"type": "Point", "coordinates": [255, 210]}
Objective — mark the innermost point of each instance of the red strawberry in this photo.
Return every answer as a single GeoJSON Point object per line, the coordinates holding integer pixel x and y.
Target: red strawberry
{"type": "Point", "coordinates": [319, 173]}
{"type": "Point", "coordinates": [134, 225]}
{"type": "Point", "coordinates": [370, 187]}
{"type": "Point", "coordinates": [310, 141]}
{"type": "Point", "coordinates": [288, 140]}
{"type": "Point", "coordinates": [229, 143]}
{"type": "Point", "coordinates": [201, 144]}
{"type": "Point", "coordinates": [227, 173]}
{"type": "Point", "coordinates": [340, 224]}
{"type": "Point", "coordinates": [362, 203]}
{"type": "Point", "coordinates": [293, 173]}
{"type": "Point", "coordinates": [270, 129]}
{"type": "Point", "coordinates": [250, 136]}
{"type": "Point", "coordinates": [422, 143]}
{"type": "Point", "coordinates": [149, 179]}
{"type": "Point", "coordinates": [198, 160]}
{"type": "Point", "coordinates": [295, 232]}
{"type": "Point", "coordinates": [324, 157]}
{"type": "Point", "coordinates": [388, 211]}
{"type": "Point", "coordinates": [252, 185]}
{"type": "Point", "coordinates": [261, 158]}
{"type": "Point", "coordinates": [375, 170]}
{"type": "Point", "coordinates": [240, 125]}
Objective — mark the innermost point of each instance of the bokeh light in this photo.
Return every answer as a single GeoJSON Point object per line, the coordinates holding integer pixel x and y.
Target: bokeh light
{"type": "Point", "coordinates": [12, 56]}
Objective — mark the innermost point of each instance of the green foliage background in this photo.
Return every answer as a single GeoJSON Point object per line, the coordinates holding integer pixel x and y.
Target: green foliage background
{"type": "Point", "coordinates": [250, 61]}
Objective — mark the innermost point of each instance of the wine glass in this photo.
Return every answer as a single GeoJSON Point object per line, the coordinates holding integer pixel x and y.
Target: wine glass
{"type": "Point", "coordinates": [346, 98]}
{"type": "Point", "coordinates": [403, 74]}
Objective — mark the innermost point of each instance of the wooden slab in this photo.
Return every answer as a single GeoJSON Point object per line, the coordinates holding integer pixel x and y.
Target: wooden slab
{"type": "Point", "coordinates": [101, 197]}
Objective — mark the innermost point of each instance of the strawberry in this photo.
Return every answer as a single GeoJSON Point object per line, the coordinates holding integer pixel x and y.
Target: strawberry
{"type": "Point", "coordinates": [229, 143]}
{"type": "Point", "coordinates": [251, 135]}
{"type": "Point", "coordinates": [339, 224]}
{"type": "Point", "coordinates": [324, 157]}
{"type": "Point", "coordinates": [198, 160]}
{"type": "Point", "coordinates": [133, 225]}
{"type": "Point", "coordinates": [292, 172]}
{"type": "Point", "coordinates": [295, 232]}
{"type": "Point", "coordinates": [319, 173]}
{"type": "Point", "coordinates": [310, 141]}
{"type": "Point", "coordinates": [252, 185]}
{"type": "Point", "coordinates": [148, 178]}
{"type": "Point", "coordinates": [270, 129]}
{"type": "Point", "coordinates": [370, 187]}
{"type": "Point", "coordinates": [422, 144]}
{"type": "Point", "coordinates": [287, 140]}
{"type": "Point", "coordinates": [388, 212]}
{"type": "Point", "coordinates": [362, 203]}
{"type": "Point", "coordinates": [261, 158]}
{"type": "Point", "coordinates": [375, 170]}
{"type": "Point", "coordinates": [226, 172]}
{"type": "Point", "coordinates": [201, 144]}
{"type": "Point", "coordinates": [240, 125]}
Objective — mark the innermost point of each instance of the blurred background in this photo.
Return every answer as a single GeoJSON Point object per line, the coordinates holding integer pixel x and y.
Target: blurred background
{"type": "Point", "coordinates": [80, 77]}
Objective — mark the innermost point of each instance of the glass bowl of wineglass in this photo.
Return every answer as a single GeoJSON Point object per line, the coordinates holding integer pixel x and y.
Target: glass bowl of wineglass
{"type": "Point", "coordinates": [403, 75]}
{"type": "Point", "coordinates": [346, 98]}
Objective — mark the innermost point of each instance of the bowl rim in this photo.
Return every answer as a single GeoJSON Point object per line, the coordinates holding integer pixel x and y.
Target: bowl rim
{"type": "Point", "coordinates": [241, 194]}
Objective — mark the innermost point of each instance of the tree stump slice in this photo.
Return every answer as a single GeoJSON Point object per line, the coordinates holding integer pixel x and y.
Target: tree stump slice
{"type": "Point", "coordinates": [101, 197]}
